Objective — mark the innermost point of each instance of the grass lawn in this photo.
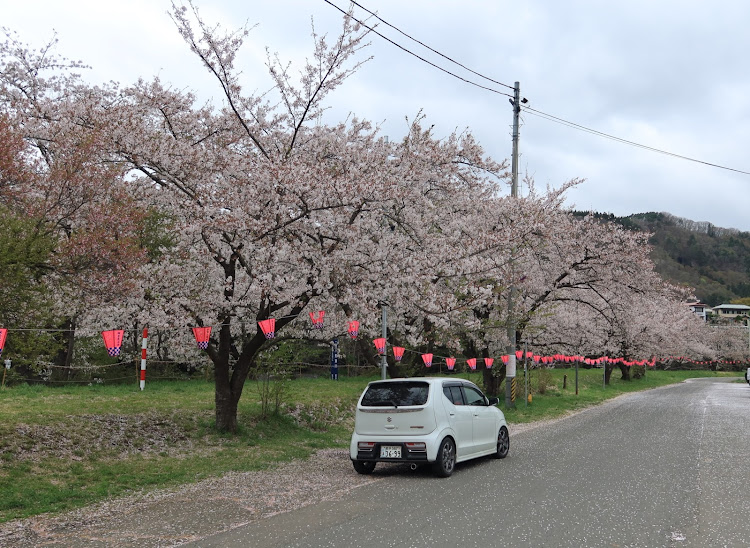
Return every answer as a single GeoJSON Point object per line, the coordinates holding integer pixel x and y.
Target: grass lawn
{"type": "Point", "coordinates": [62, 448]}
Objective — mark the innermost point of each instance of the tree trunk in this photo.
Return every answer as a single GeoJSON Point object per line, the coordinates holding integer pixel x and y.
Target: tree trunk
{"type": "Point", "coordinates": [625, 370]}
{"type": "Point", "coordinates": [492, 379]}
{"type": "Point", "coordinates": [64, 355]}
{"type": "Point", "coordinates": [608, 372]}
{"type": "Point", "coordinates": [71, 336]}
{"type": "Point", "coordinates": [225, 396]}
{"type": "Point", "coordinates": [231, 381]}
{"type": "Point", "coordinates": [395, 370]}
{"type": "Point", "coordinates": [226, 410]}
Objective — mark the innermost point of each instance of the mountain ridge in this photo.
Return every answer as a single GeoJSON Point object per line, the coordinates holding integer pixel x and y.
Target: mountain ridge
{"type": "Point", "coordinates": [713, 261]}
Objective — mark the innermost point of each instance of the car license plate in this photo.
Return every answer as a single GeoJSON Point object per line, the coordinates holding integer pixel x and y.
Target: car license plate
{"type": "Point", "coordinates": [390, 452]}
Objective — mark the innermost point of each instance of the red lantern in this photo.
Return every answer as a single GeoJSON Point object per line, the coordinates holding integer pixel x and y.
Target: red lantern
{"type": "Point", "coordinates": [505, 359]}
{"type": "Point", "coordinates": [472, 363]}
{"type": "Point", "coordinates": [519, 354]}
{"type": "Point", "coordinates": [427, 359]}
{"type": "Point", "coordinates": [353, 329]}
{"type": "Point", "coordinates": [451, 363]}
{"type": "Point", "coordinates": [380, 345]}
{"type": "Point", "coordinates": [317, 320]}
{"type": "Point", "coordinates": [398, 353]}
{"type": "Point", "coordinates": [488, 362]}
{"type": "Point", "coordinates": [268, 327]}
{"type": "Point", "coordinates": [113, 341]}
{"type": "Point", "coordinates": [202, 334]}
{"type": "Point", "coordinates": [536, 358]}
{"type": "Point", "coordinates": [3, 336]}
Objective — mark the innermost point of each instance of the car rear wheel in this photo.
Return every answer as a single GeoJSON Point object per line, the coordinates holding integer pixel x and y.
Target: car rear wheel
{"type": "Point", "coordinates": [503, 443]}
{"type": "Point", "coordinates": [363, 467]}
{"type": "Point", "coordinates": [446, 458]}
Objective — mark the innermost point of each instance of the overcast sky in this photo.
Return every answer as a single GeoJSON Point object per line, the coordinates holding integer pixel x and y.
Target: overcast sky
{"type": "Point", "coordinates": [672, 75]}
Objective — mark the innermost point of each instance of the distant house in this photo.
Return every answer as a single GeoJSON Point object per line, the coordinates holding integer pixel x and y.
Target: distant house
{"type": "Point", "coordinates": [731, 310]}
{"type": "Point", "coordinates": [699, 309]}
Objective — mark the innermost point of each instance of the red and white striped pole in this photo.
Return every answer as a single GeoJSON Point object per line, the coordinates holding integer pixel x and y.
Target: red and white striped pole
{"type": "Point", "coordinates": [143, 358]}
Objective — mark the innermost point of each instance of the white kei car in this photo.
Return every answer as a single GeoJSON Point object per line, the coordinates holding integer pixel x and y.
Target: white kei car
{"type": "Point", "coordinates": [432, 420]}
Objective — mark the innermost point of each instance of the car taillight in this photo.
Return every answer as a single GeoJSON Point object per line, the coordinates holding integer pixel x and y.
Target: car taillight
{"type": "Point", "coordinates": [366, 445]}
{"type": "Point", "coordinates": [416, 446]}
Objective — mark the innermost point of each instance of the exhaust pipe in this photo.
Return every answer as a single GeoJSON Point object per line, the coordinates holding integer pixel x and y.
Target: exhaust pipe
{"type": "Point", "coordinates": [413, 467]}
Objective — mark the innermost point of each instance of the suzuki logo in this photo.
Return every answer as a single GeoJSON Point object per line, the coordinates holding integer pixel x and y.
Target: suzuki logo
{"type": "Point", "coordinates": [389, 419]}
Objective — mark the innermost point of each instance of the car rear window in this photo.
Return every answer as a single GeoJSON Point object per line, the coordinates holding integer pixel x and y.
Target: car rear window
{"type": "Point", "coordinates": [396, 394]}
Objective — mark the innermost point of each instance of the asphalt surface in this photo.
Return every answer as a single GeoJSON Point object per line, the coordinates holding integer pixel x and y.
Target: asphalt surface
{"type": "Point", "coordinates": [662, 468]}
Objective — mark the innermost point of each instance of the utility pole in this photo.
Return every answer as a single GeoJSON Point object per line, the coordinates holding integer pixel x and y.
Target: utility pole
{"type": "Point", "coordinates": [510, 371]}
{"type": "Point", "coordinates": [516, 102]}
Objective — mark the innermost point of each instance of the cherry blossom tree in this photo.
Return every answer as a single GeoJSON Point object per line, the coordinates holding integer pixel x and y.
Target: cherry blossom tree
{"type": "Point", "coordinates": [67, 179]}
{"type": "Point", "coordinates": [592, 289]}
{"type": "Point", "coordinates": [277, 214]}
{"type": "Point", "coordinates": [57, 177]}
{"type": "Point", "coordinates": [723, 341]}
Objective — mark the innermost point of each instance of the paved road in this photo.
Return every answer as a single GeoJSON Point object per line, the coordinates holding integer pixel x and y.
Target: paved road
{"type": "Point", "coordinates": [667, 467]}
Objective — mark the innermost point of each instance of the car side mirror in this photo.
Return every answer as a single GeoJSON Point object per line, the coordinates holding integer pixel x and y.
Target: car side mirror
{"type": "Point", "coordinates": [494, 401]}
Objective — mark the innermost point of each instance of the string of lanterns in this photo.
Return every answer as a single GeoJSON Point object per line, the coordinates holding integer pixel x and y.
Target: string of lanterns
{"type": "Point", "coordinates": [113, 342]}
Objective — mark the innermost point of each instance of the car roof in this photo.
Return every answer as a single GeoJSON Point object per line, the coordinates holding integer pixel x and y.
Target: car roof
{"type": "Point", "coordinates": [429, 380]}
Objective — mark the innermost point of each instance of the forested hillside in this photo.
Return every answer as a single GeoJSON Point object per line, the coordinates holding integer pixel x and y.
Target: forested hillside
{"type": "Point", "coordinates": [714, 261]}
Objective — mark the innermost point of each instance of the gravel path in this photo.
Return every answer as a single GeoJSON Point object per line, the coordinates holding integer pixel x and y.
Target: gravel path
{"type": "Point", "coordinates": [176, 516]}
{"type": "Point", "coordinates": [172, 517]}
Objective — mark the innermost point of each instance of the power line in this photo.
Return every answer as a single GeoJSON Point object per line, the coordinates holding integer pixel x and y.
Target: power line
{"type": "Point", "coordinates": [579, 127]}
{"type": "Point", "coordinates": [528, 109]}
{"type": "Point", "coordinates": [399, 46]}
{"type": "Point", "coordinates": [428, 47]}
